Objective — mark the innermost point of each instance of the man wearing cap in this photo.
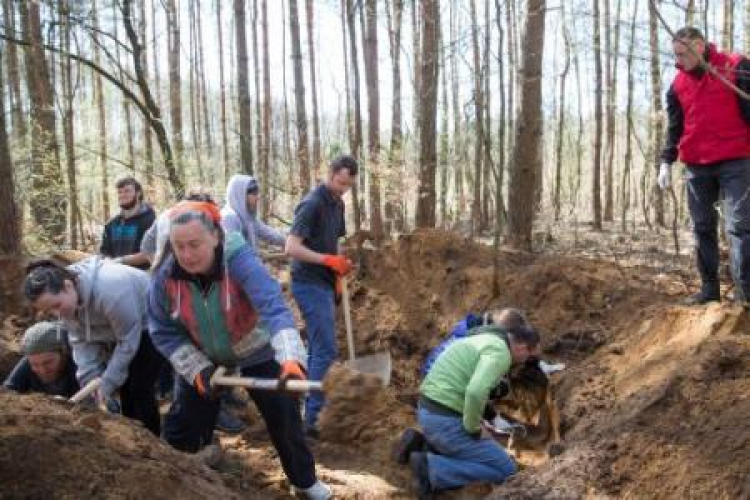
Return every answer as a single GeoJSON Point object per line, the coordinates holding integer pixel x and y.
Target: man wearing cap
{"type": "Point", "coordinates": [47, 365]}
{"type": "Point", "coordinates": [240, 214]}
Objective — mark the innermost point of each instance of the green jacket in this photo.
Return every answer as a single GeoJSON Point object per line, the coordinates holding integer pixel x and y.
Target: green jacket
{"type": "Point", "coordinates": [465, 373]}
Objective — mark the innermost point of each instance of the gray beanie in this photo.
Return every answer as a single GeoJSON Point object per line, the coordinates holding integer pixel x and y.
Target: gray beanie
{"type": "Point", "coordinates": [44, 336]}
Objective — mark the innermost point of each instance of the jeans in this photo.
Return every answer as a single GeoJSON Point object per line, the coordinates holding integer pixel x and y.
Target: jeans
{"type": "Point", "coordinates": [189, 425]}
{"type": "Point", "coordinates": [316, 301]}
{"type": "Point", "coordinates": [137, 394]}
{"type": "Point", "coordinates": [461, 458]}
{"type": "Point", "coordinates": [729, 180]}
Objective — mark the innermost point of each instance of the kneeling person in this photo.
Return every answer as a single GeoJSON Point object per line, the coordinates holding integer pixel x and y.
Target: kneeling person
{"type": "Point", "coordinates": [452, 399]}
{"type": "Point", "coordinates": [47, 366]}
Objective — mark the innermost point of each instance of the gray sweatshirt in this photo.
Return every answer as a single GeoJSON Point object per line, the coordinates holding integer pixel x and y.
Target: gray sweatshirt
{"type": "Point", "coordinates": [110, 319]}
{"type": "Point", "coordinates": [236, 217]}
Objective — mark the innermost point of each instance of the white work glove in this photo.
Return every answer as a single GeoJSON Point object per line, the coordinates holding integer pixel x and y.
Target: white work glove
{"type": "Point", "coordinates": [665, 176]}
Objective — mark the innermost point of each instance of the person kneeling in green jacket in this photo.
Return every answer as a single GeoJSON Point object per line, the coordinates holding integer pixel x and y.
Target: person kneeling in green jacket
{"type": "Point", "coordinates": [453, 396]}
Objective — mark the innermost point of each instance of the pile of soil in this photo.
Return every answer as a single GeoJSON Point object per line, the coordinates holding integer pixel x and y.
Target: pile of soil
{"type": "Point", "coordinates": [50, 449]}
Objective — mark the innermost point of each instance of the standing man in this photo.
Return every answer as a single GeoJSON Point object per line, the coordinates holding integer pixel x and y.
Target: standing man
{"type": "Point", "coordinates": [317, 267]}
{"type": "Point", "coordinates": [708, 129]}
{"type": "Point", "coordinates": [240, 214]}
{"type": "Point", "coordinates": [123, 234]}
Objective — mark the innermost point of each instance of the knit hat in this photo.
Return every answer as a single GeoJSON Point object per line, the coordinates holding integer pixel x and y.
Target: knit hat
{"type": "Point", "coordinates": [44, 336]}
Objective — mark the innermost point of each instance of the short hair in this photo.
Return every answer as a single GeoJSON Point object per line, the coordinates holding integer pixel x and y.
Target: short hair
{"type": "Point", "coordinates": [509, 318]}
{"type": "Point", "coordinates": [129, 180]}
{"type": "Point", "coordinates": [526, 335]}
{"type": "Point", "coordinates": [344, 162]}
{"type": "Point", "coordinates": [45, 276]}
{"type": "Point", "coordinates": [688, 33]}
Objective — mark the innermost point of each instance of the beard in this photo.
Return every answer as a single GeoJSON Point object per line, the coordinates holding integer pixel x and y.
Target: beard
{"type": "Point", "coordinates": [129, 206]}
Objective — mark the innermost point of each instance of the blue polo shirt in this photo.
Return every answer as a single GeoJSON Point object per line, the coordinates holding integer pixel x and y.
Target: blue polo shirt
{"type": "Point", "coordinates": [319, 221]}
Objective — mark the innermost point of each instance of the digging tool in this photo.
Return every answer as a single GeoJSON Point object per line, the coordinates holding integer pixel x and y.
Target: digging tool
{"type": "Point", "coordinates": [374, 364]}
{"type": "Point", "coordinates": [86, 390]}
{"type": "Point", "coordinates": [265, 384]}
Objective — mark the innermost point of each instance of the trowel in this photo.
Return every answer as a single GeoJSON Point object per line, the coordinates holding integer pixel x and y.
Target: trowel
{"type": "Point", "coordinates": [378, 364]}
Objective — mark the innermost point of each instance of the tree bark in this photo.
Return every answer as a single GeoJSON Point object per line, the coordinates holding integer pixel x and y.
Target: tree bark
{"type": "Point", "coordinates": [147, 138]}
{"type": "Point", "coordinates": [222, 92]}
{"type": "Point", "coordinates": [256, 80]}
{"type": "Point", "coordinates": [356, 142]}
{"type": "Point", "coordinates": [316, 160]}
{"type": "Point", "coordinates": [18, 116]}
{"type": "Point", "coordinates": [476, 206]}
{"type": "Point", "coordinates": [373, 114]}
{"type": "Point", "coordinates": [266, 148]}
{"type": "Point", "coordinates": [727, 38]}
{"type": "Point", "coordinates": [626, 182]}
{"type": "Point", "coordinates": [557, 201]}
{"type": "Point", "coordinates": [394, 206]}
{"type": "Point", "coordinates": [299, 98]}
{"type": "Point", "coordinates": [527, 146]}
{"type": "Point", "coordinates": [427, 112]}
{"type": "Point", "coordinates": [175, 84]}
{"type": "Point", "coordinates": [656, 112]}
{"type": "Point", "coordinates": [10, 215]}
{"type": "Point", "coordinates": [597, 164]}
{"type": "Point", "coordinates": [243, 89]}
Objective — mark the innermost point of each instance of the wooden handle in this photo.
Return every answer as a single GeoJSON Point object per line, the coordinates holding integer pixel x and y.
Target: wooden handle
{"type": "Point", "coordinates": [347, 317]}
{"type": "Point", "coordinates": [266, 384]}
{"type": "Point", "coordinates": [86, 391]}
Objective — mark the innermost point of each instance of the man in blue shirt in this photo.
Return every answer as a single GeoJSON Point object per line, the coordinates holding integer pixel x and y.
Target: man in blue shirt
{"type": "Point", "coordinates": [316, 270]}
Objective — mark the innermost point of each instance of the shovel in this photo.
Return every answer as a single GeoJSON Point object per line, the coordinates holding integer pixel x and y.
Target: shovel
{"type": "Point", "coordinates": [373, 364]}
{"type": "Point", "coordinates": [86, 390]}
{"type": "Point", "coordinates": [265, 384]}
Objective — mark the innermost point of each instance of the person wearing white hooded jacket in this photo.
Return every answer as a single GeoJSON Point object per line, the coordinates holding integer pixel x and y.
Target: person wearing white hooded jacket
{"type": "Point", "coordinates": [240, 213]}
{"type": "Point", "coordinates": [103, 306]}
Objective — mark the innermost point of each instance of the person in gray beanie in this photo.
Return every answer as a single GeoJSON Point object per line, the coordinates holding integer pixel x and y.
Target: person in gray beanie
{"type": "Point", "coordinates": [47, 366]}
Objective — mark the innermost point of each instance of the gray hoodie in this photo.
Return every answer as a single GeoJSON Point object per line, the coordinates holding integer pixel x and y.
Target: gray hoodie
{"type": "Point", "coordinates": [236, 217]}
{"type": "Point", "coordinates": [110, 319]}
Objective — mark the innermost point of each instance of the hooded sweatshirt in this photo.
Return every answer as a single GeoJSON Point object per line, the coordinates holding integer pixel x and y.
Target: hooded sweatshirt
{"type": "Point", "coordinates": [235, 215]}
{"type": "Point", "coordinates": [106, 331]}
{"type": "Point", "coordinates": [124, 233]}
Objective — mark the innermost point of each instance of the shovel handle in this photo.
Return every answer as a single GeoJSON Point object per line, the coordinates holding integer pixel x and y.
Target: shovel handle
{"type": "Point", "coordinates": [347, 316]}
{"type": "Point", "coordinates": [86, 391]}
{"type": "Point", "coordinates": [265, 384]}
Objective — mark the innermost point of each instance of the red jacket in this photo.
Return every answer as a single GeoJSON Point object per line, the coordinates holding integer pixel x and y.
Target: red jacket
{"type": "Point", "coordinates": [713, 126]}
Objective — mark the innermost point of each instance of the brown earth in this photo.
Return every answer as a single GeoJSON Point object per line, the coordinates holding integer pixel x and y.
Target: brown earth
{"type": "Point", "coordinates": [654, 400]}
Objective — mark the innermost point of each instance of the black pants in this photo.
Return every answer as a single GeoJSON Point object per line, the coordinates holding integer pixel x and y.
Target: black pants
{"type": "Point", "coordinates": [189, 425]}
{"type": "Point", "coordinates": [137, 394]}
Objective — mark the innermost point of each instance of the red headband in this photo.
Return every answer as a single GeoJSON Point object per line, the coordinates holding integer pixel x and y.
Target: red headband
{"type": "Point", "coordinates": [204, 207]}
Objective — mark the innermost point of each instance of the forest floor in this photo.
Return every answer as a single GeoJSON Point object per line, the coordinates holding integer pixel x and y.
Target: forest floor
{"type": "Point", "coordinates": [654, 400]}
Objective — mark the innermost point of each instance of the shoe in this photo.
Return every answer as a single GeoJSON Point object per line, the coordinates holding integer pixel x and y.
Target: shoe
{"type": "Point", "coordinates": [420, 478]}
{"type": "Point", "coordinates": [318, 491]}
{"type": "Point", "coordinates": [703, 297]}
{"type": "Point", "coordinates": [228, 422]}
{"type": "Point", "coordinates": [411, 440]}
{"type": "Point", "coordinates": [312, 431]}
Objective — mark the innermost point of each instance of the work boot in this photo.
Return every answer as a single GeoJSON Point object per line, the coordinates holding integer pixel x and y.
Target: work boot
{"type": "Point", "coordinates": [228, 422]}
{"type": "Point", "coordinates": [318, 491]}
{"type": "Point", "coordinates": [420, 477]}
{"type": "Point", "coordinates": [708, 293]}
{"type": "Point", "coordinates": [410, 441]}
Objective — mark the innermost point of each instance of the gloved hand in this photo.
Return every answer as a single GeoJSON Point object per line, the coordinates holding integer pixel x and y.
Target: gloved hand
{"type": "Point", "coordinates": [202, 383]}
{"type": "Point", "coordinates": [339, 263]}
{"type": "Point", "coordinates": [290, 370]}
{"type": "Point", "coordinates": [665, 176]}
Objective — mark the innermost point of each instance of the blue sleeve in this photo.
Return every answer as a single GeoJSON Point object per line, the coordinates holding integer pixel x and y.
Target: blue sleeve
{"type": "Point", "coordinates": [262, 289]}
{"type": "Point", "coordinates": [305, 216]}
{"type": "Point", "coordinates": [169, 337]}
{"type": "Point", "coordinates": [19, 379]}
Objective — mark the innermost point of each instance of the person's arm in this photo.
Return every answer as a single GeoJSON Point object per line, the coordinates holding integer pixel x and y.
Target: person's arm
{"type": "Point", "coordinates": [19, 379]}
{"type": "Point", "coordinates": [270, 235]}
{"type": "Point", "coordinates": [106, 246]}
{"type": "Point", "coordinates": [135, 259]}
{"type": "Point", "coordinates": [297, 250]}
{"type": "Point", "coordinates": [265, 294]}
{"type": "Point", "coordinates": [675, 125]}
{"type": "Point", "coordinates": [89, 358]}
{"type": "Point", "coordinates": [743, 83]}
{"type": "Point", "coordinates": [169, 337]}
{"type": "Point", "coordinates": [490, 367]}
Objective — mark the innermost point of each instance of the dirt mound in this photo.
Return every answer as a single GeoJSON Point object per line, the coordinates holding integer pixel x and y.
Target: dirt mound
{"type": "Point", "coordinates": [360, 411]}
{"type": "Point", "coordinates": [661, 412]}
{"type": "Point", "coordinates": [49, 449]}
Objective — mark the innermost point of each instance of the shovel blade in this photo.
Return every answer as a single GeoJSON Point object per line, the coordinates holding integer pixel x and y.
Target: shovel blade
{"type": "Point", "coordinates": [373, 364]}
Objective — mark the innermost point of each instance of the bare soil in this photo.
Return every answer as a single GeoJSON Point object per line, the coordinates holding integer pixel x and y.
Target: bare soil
{"type": "Point", "coordinates": [654, 400]}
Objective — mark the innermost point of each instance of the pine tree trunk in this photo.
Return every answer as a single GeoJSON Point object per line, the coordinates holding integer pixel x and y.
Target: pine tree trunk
{"type": "Point", "coordinates": [316, 160]}
{"type": "Point", "coordinates": [10, 215]}
{"type": "Point", "coordinates": [194, 92]}
{"type": "Point", "coordinates": [394, 206]}
{"type": "Point", "coordinates": [476, 206]}
{"type": "Point", "coordinates": [527, 146]}
{"type": "Point", "coordinates": [256, 80]}
{"type": "Point", "coordinates": [356, 144]}
{"type": "Point", "coordinates": [147, 139]}
{"type": "Point", "coordinates": [222, 92]}
{"type": "Point", "coordinates": [557, 202]}
{"type": "Point", "coordinates": [460, 156]}
{"type": "Point", "coordinates": [625, 183]}
{"type": "Point", "coordinates": [299, 98]}
{"type": "Point", "coordinates": [207, 133]}
{"type": "Point", "coordinates": [47, 197]}
{"type": "Point", "coordinates": [656, 112]}
{"type": "Point", "coordinates": [66, 73]}
{"type": "Point", "coordinates": [596, 206]}
{"type": "Point", "coordinates": [727, 39]}
{"type": "Point", "coordinates": [175, 84]}
{"type": "Point", "coordinates": [18, 116]}
{"type": "Point", "coordinates": [101, 114]}
{"type": "Point", "coordinates": [266, 149]}
{"type": "Point", "coordinates": [443, 163]}
{"type": "Point", "coordinates": [427, 111]}
{"type": "Point", "coordinates": [609, 118]}
{"type": "Point", "coordinates": [500, 213]}
{"type": "Point", "coordinates": [124, 101]}
{"type": "Point", "coordinates": [373, 115]}
{"type": "Point", "coordinates": [488, 167]}
{"type": "Point", "coordinates": [243, 89]}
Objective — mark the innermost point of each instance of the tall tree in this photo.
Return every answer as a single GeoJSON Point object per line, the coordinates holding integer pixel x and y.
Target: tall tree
{"type": "Point", "coordinates": [256, 80]}
{"type": "Point", "coordinates": [18, 116]}
{"type": "Point", "coordinates": [476, 206]}
{"type": "Point", "coordinates": [10, 216]}
{"type": "Point", "coordinates": [356, 138]}
{"type": "Point", "coordinates": [194, 91]}
{"type": "Point", "coordinates": [101, 113]}
{"type": "Point", "coordinates": [207, 134]}
{"type": "Point", "coordinates": [243, 88]}
{"type": "Point", "coordinates": [527, 146]}
{"type": "Point", "coordinates": [47, 198]}
{"type": "Point", "coordinates": [299, 98]}
{"type": "Point", "coordinates": [500, 179]}
{"type": "Point", "coordinates": [727, 32]}
{"type": "Point", "coordinates": [597, 160]}
{"type": "Point", "coordinates": [147, 137]}
{"type": "Point", "coordinates": [427, 111]}
{"type": "Point", "coordinates": [266, 149]}
{"type": "Point", "coordinates": [657, 127]}
{"type": "Point", "coordinates": [625, 183]}
{"type": "Point", "coordinates": [394, 208]}
{"type": "Point", "coordinates": [373, 113]}
{"type": "Point", "coordinates": [175, 83]}
{"type": "Point", "coordinates": [313, 86]}
{"type": "Point", "coordinates": [222, 91]}
{"type": "Point", "coordinates": [557, 202]}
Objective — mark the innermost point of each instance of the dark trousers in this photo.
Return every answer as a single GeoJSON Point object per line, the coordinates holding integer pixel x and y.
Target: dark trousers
{"type": "Point", "coordinates": [137, 394]}
{"type": "Point", "coordinates": [189, 425]}
{"type": "Point", "coordinates": [729, 180]}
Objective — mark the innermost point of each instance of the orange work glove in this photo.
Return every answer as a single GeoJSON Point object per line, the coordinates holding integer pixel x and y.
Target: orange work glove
{"type": "Point", "coordinates": [339, 263]}
{"type": "Point", "coordinates": [290, 370]}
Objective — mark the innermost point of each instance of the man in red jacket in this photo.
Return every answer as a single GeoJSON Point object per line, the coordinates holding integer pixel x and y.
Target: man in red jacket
{"type": "Point", "coordinates": [708, 127]}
